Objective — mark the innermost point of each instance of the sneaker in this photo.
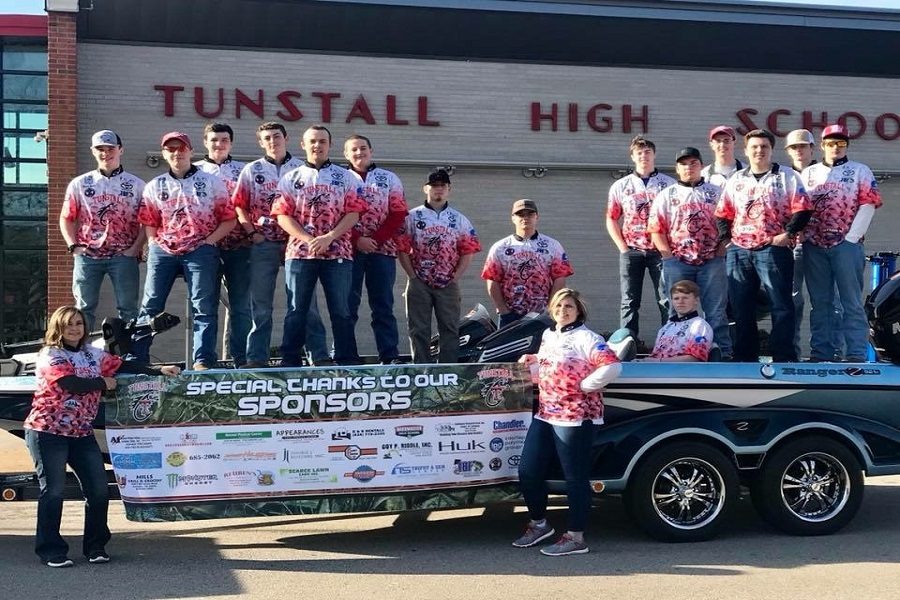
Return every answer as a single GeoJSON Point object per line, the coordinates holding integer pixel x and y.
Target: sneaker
{"type": "Point", "coordinates": [199, 366]}
{"type": "Point", "coordinates": [98, 557]}
{"type": "Point", "coordinates": [60, 563]}
{"type": "Point", "coordinates": [565, 545]}
{"type": "Point", "coordinates": [533, 535]}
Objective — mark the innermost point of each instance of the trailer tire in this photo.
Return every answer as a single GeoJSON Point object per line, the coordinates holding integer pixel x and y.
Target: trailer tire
{"type": "Point", "coordinates": [810, 486]}
{"type": "Point", "coordinates": [682, 492]}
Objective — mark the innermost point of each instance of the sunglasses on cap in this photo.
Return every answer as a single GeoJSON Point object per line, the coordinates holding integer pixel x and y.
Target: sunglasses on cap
{"type": "Point", "coordinates": [835, 143]}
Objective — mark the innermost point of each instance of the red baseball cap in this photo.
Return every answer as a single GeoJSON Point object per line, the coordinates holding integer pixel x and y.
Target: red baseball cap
{"type": "Point", "coordinates": [722, 129]}
{"type": "Point", "coordinates": [176, 135]}
{"type": "Point", "coordinates": [835, 131]}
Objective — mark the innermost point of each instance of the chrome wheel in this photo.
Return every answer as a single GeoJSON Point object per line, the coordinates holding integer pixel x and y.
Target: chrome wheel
{"type": "Point", "coordinates": [688, 493]}
{"type": "Point", "coordinates": [815, 487]}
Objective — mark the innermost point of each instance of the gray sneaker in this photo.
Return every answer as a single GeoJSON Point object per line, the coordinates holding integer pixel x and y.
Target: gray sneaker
{"type": "Point", "coordinates": [565, 545]}
{"type": "Point", "coordinates": [533, 535]}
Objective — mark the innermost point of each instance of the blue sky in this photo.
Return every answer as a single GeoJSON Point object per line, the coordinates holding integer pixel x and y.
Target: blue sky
{"type": "Point", "coordinates": [37, 6]}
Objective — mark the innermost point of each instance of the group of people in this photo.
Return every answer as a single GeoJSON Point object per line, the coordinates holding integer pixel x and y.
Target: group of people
{"type": "Point", "coordinates": [736, 229]}
{"type": "Point", "coordinates": [714, 235]}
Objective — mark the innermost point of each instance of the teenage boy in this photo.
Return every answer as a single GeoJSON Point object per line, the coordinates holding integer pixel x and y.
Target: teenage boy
{"type": "Point", "coordinates": [525, 269]}
{"type": "Point", "coordinates": [686, 336]}
{"type": "Point", "coordinates": [762, 211]}
{"type": "Point", "coordinates": [234, 248]}
{"type": "Point", "coordinates": [722, 140]}
{"type": "Point", "coordinates": [627, 213]}
{"type": "Point", "coordinates": [317, 204]}
{"type": "Point", "coordinates": [442, 245]}
{"type": "Point", "coordinates": [377, 237]}
{"type": "Point", "coordinates": [186, 213]}
{"type": "Point", "coordinates": [99, 223]}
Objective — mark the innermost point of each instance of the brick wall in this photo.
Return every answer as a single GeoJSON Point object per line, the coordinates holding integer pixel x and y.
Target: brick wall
{"type": "Point", "coordinates": [61, 149]}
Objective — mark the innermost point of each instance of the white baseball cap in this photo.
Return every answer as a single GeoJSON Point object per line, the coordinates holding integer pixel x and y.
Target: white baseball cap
{"type": "Point", "coordinates": [799, 136]}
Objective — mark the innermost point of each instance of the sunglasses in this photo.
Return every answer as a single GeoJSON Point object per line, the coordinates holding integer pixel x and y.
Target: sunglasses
{"type": "Point", "coordinates": [835, 144]}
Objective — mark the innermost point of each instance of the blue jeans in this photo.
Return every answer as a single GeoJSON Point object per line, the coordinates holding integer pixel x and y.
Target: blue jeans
{"type": "Point", "coordinates": [379, 272]}
{"type": "Point", "coordinates": [200, 269]}
{"type": "Point", "coordinates": [713, 282]}
{"type": "Point", "coordinates": [839, 268]}
{"type": "Point", "coordinates": [837, 329]}
{"type": "Point", "coordinates": [316, 341]}
{"type": "Point", "coordinates": [237, 275]}
{"type": "Point", "coordinates": [632, 264]}
{"type": "Point", "coordinates": [87, 277]}
{"type": "Point", "coordinates": [572, 445]}
{"type": "Point", "coordinates": [265, 259]}
{"type": "Point", "coordinates": [51, 453]}
{"type": "Point", "coordinates": [301, 276]}
{"type": "Point", "coordinates": [771, 267]}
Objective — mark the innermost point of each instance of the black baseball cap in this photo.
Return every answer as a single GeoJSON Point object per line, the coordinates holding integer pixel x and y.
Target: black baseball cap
{"type": "Point", "coordinates": [438, 176]}
{"type": "Point", "coordinates": [688, 152]}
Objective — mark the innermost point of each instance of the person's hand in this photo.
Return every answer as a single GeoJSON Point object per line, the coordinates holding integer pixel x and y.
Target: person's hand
{"type": "Point", "coordinates": [110, 382]}
{"type": "Point", "coordinates": [366, 244]}
{"type": "Point", "coordinates": [78, 251]}
{"type": "Point", "coordinates": [528, 359]}
{"type": "Point", "coordinates": [170, 370]}
{"type": "Point", "coordinates": [318, 246]}
{"type": "Point", "coordinates": [781, 240]}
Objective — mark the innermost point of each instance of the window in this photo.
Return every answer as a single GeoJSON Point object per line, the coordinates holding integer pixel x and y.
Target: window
{"type": "Point", "coordinates": [23, 192]}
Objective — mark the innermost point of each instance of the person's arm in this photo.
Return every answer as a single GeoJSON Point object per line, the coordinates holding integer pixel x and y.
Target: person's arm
{"type": "Point", "coordinates": [82, 385]}
{"type": "Point", "coordinates": [219, 232]}
{"type": "Point", "coordinates": [319, 244]}
{"type": "Point", "coordinates": [558, 284]}
{"type": "Point", "coordinates": [601, 376]}
{"type": "Point", "coordinates": [615, 232]}
{"type": "Point", "coordinates": [69, 231]}
{"type": "Point", "coordinates": [293, 229]}
{"type": "Point", "coordinates": [134, 367]}
{"type": "Point", "coordinates": [151, 233]}
{"type": "Point", "coordinates": [405, 261]}
{"type": "Point", "coordinates": [495, 291]}
{"type": "Point", "coordinates": [723, 226]}
{"type": "Point", "coordinates": [860, 223]}
{"type": "Point", "coordinates": [464, 261]}
{"type": "Point", "coordinates": [793, 228]}
{"type": "Point", "coordinates": [679, 358]}
{"type": "Point", "coordinates": [662, 244]}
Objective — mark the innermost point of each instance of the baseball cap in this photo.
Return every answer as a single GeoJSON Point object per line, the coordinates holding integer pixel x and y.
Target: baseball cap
{"type": "Point", "coordinates": [438, 176]}
{"type": "Point", "coordinates": [524, 204]}
{"type": "Point", "coordinates": [105, 137]}
{"type": "Point", "coordinates": [799, 136]}
{"type": "Point", "coordinates": [722, 129]}
{"type": "Point", "coordinates": [835, 131]}
{"type": "Point", "coordinates": [688, 152]}
{"type": "Point", "coordinates": [176, 135]}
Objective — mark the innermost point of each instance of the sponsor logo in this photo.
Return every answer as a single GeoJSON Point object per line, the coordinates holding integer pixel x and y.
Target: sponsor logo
{"type": "Point", "coordinates": [239, 478]}
{"type": "Point", "coordinates": [467, 468]}
{"type": "Point", "coordinates": [353, 452]}
{"type": "Point", "coordinates": [826, 372]}
{"type": "Point", "coordinates": [457, 447]}
{"type": "Point", "coordinates": [300, 433]}
{"type": "Point", "coordinates": [496, 444]}
{"type": "Point", "coordinates": [289, 456]}
{"type": "Point", "coordinates": [143, 460]}
{"type": "Point", "coordinates": [405, 470]}
{"type": "Point", "coordinates": [187, 439]}
{"type": "Point", "coordinates": [307, 475]}
{"type": "Point", "coordinates": [142, 407]}
{"type": "Point", "coordinates": [406, 449]}
{"type": "Point", "coordinates": [510, 425]}
{"type": "Point", "coordinates": [265, 478]}
{"type": "Point", "coordinates": [242, 435]}
{"type": "Point", "coordinates": [176, 459]}
{"type": "Point", "coordinates": [134, 442]}
{"type": "Point", "coordinates": [247, 455]}
{"type": "Point", "coordinates": [121, 481]}
{"type": "Point", "coordinates": [463, 428]}
{"type": "Point", "coordinates": [409, 431]}
{"type": "Point", "coordinates": [364, 473]}
{"type": "Point", "coordinates": [175, 480]}
{"type": "Point", "coordinates": [514, 442]}
{"type": "Point", "coordinates": [140, 482]}
{"type": "Point", "coordinates": [496, 464]}
{"type": "Point", "coordinates": [495, 381]}
{"type": "Point", "coordinates": [513, 460]}
{"type": "Point", "coordinates": [341, 434]}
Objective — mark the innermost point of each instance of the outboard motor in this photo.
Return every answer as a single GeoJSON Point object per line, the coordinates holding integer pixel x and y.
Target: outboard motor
{"type": "Point", "coordinates": [883, 312]}
{"type": "Point", "coordinates": [514, 340]}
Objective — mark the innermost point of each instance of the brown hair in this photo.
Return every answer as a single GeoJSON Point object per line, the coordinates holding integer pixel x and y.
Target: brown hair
{"type": "Point", "coordinates": [685, 286]}
{"type": "Point", "coordinates": [575, 296]}
{"type": "Point", "coordinates": [760, 133]}
{"type": "Point", "coordinates": [269, 125]}
{"type": "Point", "coordinates": [640, 141]}
{"type": "Point", "coordinates": [321, 128]}
{"type": "Point", "coordinates": [356, 136]}
{"type": "Point", "coordinates": [218, 128]}
{"type": "Point", "coordinates": [56, 326]}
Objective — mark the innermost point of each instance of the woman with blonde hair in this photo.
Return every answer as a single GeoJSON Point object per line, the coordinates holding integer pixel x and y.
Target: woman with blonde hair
{"type": "Point", "coordinates": [571, 367]}
{"type": "Point", "coordinates": [71, 376]}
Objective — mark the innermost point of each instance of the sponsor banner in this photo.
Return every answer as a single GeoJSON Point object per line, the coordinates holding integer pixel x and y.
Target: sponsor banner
{"type": "Point", "coordinates": [239, 437]}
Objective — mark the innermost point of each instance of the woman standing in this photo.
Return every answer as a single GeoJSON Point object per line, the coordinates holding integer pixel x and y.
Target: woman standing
{"type": "Point", "coordinates": [571, 367]}
{"type": "Point", "coordinates": [71, 376]}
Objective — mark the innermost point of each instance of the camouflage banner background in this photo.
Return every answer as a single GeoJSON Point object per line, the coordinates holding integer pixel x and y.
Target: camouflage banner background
{"type": "Point", "coordinates": [275, 442]}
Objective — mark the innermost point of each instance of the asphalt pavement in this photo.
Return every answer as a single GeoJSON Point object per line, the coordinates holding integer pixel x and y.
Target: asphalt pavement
{"type": "Point", "coordinates": [457, 554]}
